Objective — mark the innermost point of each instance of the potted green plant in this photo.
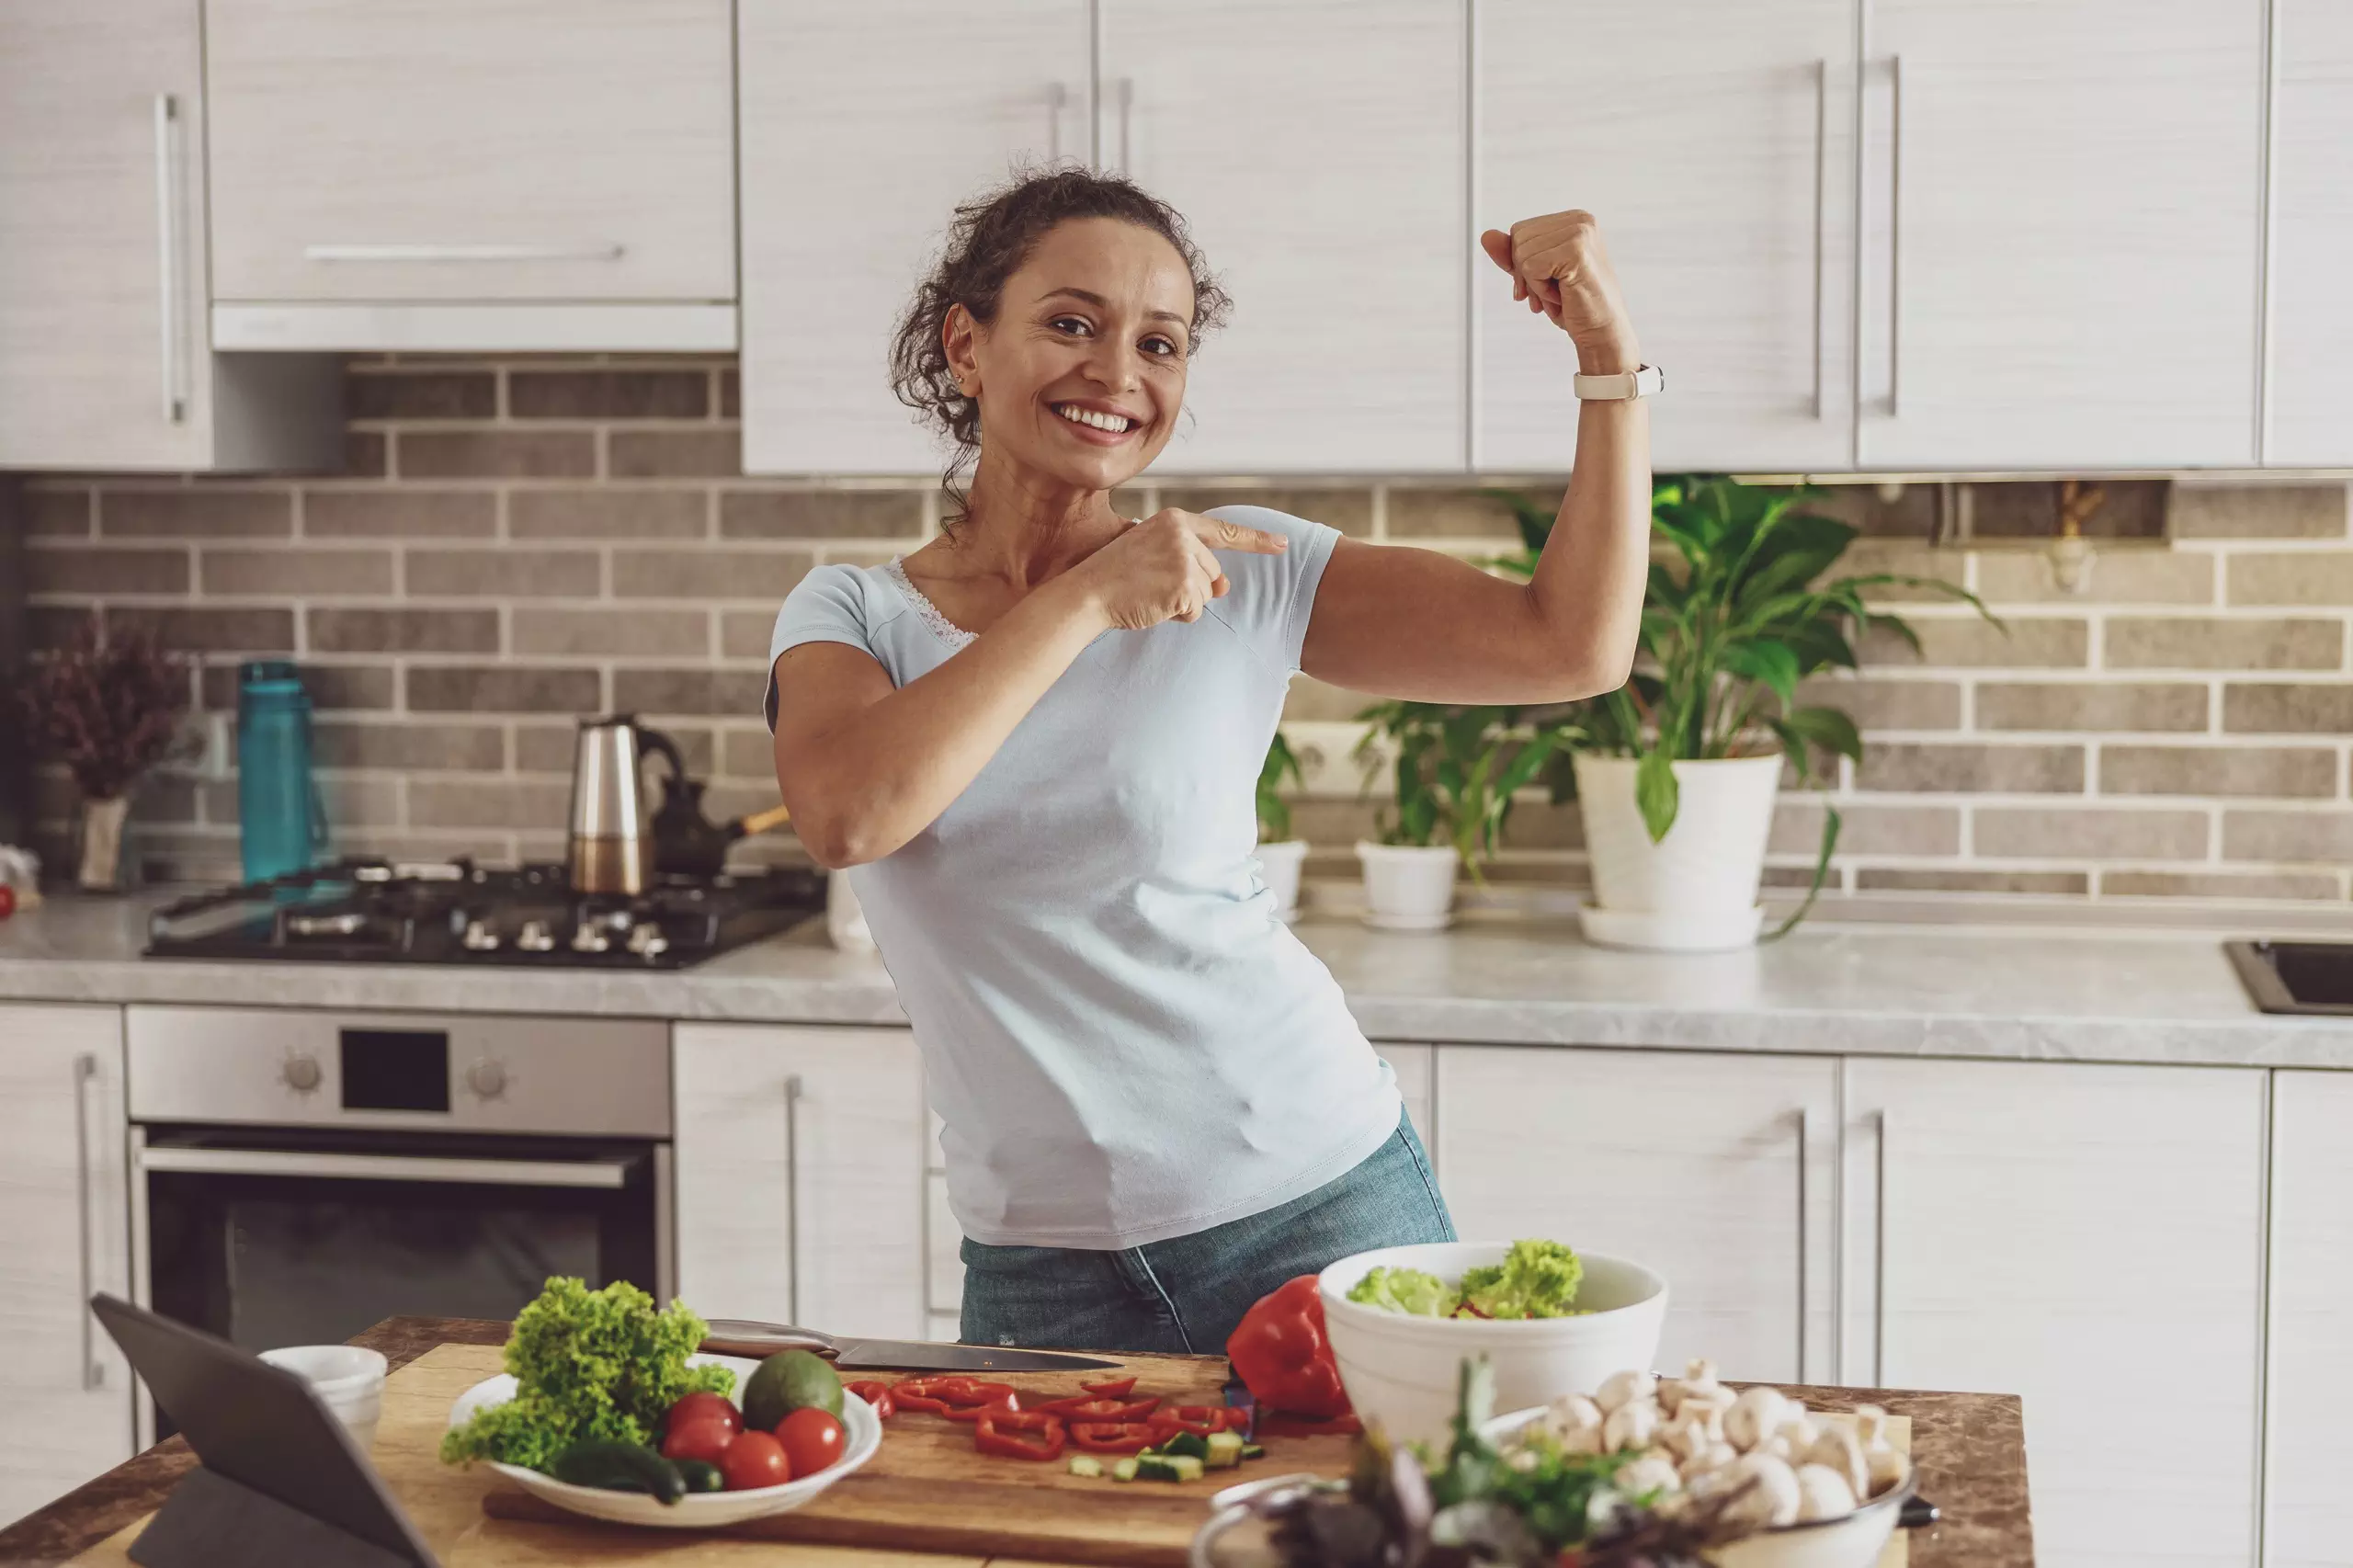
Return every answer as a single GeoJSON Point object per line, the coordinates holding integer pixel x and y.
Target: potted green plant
{"type": "Point", "coordinates": [1454, 771]}
{"type": "Point", "coordinates": [1280, 855]}
{"type": "Point", "coordinates": [1675, 773]}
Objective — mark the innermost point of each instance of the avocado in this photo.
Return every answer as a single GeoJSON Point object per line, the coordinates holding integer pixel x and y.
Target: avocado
{"type": "Point", "coordinates": [787, 1381]}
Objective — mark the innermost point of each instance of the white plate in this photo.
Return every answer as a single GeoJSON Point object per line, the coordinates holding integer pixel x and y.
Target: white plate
{"type": "Point", "coordinates": [861, 1435]}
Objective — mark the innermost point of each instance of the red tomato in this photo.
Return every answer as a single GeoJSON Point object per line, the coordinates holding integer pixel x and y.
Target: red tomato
{"type": "Point", "coordinates": [755, 1459]}
{"type": "Point", "coordinates": [812, 1439]}
{"type": "Point", "coordinates": [704, 1405]}
{"type": "Point", "coordinates": [705, 1440]}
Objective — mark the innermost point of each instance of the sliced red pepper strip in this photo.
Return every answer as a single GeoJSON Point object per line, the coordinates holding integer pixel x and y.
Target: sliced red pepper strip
{"type": "Point", "coordinates": [1009, 1433]}
{"type": "Point", "coordinates": [1093, 1407]}
{"type": "Point", "coordinates": [1114, 1436]}
{"type": "Point", "coordinates": [922, 1393]}
{"type": "Point", "coordinates": [944, 1396]}
{"type": "Point", "coordinates": [1112, 1388]}
{"type": "Point", "coordinates": [1009, 1406]}
{"type": "Point", "coordinates": [1199, 1419]}
{"type": "Point", "coordinates": [877, 1394]}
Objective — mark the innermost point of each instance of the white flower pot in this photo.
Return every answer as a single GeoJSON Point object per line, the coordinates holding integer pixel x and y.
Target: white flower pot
{"type": "Point", "coordinates": [1408, 887]}
{"type": "Point", "coordinates": [1694, 890]}
{"type": "Point", "coordinates": [1279, 864]}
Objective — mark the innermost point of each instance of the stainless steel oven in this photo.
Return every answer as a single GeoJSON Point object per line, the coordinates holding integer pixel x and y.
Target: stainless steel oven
{"type": "Point", "coordinates": [298, 1175]}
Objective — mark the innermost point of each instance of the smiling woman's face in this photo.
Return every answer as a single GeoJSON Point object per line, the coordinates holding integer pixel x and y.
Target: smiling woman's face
{"type": "Point", "coordinates": [1096, 321]}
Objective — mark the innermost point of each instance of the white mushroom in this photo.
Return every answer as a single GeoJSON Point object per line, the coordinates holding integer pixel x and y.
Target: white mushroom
{"type": "Point", "coordinates": [1652, 1472]}
{"type": "Point", "coordinates": [1762, 1490]}
{"type": "Point", "coordinates": [1706, 1461]}
{"type": "Point", "coordinates": [1698, 1377]}
{"type": "Point", "coordinates": [1572, 1413]}
{"type": "Point", "coordinates": [1822, 1492]}
{"type": "Point", "coordinates": [1794, 1434]}
{"type": "Point", "coordinates": [1838, 1448]}
{"type": "Point", "coordinates": [1694, 1427]}
{"type": "Point", "coordinates": [1624, 1387]}
{"type": "Point", "coordinates": [1886, 1467]}
{"type": "Point", "coordinates": [1582, 1441]}
{"type": "Point", "coordinates": [1754, 1416]}
{"type": "Point", "coordinates": [1631, 1426]}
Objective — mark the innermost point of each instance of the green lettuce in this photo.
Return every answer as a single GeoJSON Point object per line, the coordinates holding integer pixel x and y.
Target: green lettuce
{"type": "Point", "coordinates": [1407, 1291]}
{"type": "Point", "coordinates": [1536, 1279]}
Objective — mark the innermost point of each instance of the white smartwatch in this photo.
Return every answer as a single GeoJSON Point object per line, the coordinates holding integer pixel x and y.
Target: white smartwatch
{"type": "Point", "coordinates": [1647, 382]}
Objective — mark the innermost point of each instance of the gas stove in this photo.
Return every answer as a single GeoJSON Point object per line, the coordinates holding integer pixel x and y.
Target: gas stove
{"type": "Point", "coordinates": [458, 912]}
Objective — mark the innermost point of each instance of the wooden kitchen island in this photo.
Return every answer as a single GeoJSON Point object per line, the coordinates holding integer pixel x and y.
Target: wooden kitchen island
{"type": "Point", "coordinates": [1970, 1449]}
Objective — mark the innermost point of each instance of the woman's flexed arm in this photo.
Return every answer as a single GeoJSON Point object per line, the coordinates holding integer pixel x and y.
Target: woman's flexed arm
{"type": "Point", "coordinates": [1416, 623]}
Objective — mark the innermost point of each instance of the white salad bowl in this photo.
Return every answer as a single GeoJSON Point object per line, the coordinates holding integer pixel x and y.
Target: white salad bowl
{"type": "Point", "coordinates": [1404, 1371]}
{"type": "Point", "coordinates": [861, 1435]}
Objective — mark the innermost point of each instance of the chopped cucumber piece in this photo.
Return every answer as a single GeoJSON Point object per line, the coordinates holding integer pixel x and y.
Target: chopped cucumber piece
{"type": "Point", "coordinates": [1086, 1464]}
{"type": "Point", "coordinates": [1126, 1469]}
{"type": "Point", "coordinates": [1252, 1452]}
{"type": "Point", "coordinates": [1224, 1451]}
{"type": "Point", "coordinates": [1159, 1467]}
{"type": "Point", "coordinates": [1188, 1468]}
{"type": "Point", "coordinates": [1191, 1444]}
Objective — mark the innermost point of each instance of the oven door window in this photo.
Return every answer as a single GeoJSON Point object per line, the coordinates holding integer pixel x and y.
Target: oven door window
{"type": "Point", "coordinates": [268, 1238]}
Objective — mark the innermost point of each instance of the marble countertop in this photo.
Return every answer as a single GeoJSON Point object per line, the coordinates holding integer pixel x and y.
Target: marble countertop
{"type": "Point", "coordinates": [1970, 1447]}
{"type": "Point", "coordinates": [1956, 985]}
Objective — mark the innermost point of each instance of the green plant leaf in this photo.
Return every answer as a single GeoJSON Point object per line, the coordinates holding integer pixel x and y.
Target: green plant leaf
{"type": "Point", "coordinates": [1830, 825]}
{"type": "Point", "coordinates": [1828, 728]}
{"type": "Point", "coordinates": [1655, 792]}
{"type": "Point", "coordinates": [1770, 662]}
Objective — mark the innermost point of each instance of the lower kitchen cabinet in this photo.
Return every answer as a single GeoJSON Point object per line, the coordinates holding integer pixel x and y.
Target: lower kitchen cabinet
{"type": "Point", "coordinates": [2309, 1516]}
{"type": "Point", "coordinates": [63, 1213]}
{"type": "Point", "coordinates": [2089, 1238]}
{"type": "Point", "coordinates": [800, 1172]}
{"type": "Point", "coordinates": [1715, 1170]}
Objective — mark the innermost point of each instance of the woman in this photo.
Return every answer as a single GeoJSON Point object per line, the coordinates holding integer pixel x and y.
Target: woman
{"type": "Point", "coordinates": [1035, 740]}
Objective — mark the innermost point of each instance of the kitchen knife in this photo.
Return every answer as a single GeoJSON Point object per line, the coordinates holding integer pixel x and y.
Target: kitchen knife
{"type": "Point", "coordinates": [746, 1337]}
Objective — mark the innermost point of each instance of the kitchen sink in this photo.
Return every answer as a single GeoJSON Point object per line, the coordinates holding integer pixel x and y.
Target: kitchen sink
{"type": "Point", "coordinates": [2296, 977]}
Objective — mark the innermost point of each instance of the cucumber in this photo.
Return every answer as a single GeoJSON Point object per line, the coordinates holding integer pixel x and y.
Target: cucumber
{"type": "Point", "coordinates": [1086, 1464]}
{"type": "Point", "coordinates": [1224, 1451]}
{"type": "Point", "coordinates": [1187, 1467]}
{"type": "Point", "coordinates": [612, 1466]}
{"type": "Point", "coordinates": [1126, 1469]}
{"type": "Point", "coordinates": [701, 1475]}
{"type": "Point", "coordinates": [1158, 1467]}
{"type": "Point", "coordinates": [1186, 1445]}
{"type": "Point", "coordinates": [1252, 1452]}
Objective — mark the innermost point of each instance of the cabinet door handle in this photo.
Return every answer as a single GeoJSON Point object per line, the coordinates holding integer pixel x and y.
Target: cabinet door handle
{"type": "Point", "coordinates": [1894, 229]}
{"type": "Point", "coordinates": [1820, 181]}
{"type": "Point", "coordinates": [1057, 97]}
{"type": "Point", "coordinates": [171, 258]}
{"type": "Point", "coordinates": [792, 1197]}
{"type": "Point", "coordinates": [608, 250]}
{"type": "Point", "coordinates": [1879, 1255]}
{"type": "Point", "coordinates": [1804, 1250]}
{"type": "Point", "coordinates": [1126, 105]}
{"type": "Point", "coordinates": [85, 1067]}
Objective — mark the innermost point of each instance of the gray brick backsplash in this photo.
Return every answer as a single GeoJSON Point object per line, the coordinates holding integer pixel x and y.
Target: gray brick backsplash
{"type": "Point", "coordinates": [514, 544]}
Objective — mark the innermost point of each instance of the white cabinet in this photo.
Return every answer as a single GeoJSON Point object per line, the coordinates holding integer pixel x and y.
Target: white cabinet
{"type": "Point", "coordinates": [104, 362]}
{"type": "Point", "coordinates": [857, 149]}
{"type": "Point", "coordinates": [1714, 1170]}
{"type": "Point", "coordinates": [2089, 1238]}
{"type": "Point", "coordinates": [2061, 225]}
{"type": "Point", "coordinates": [2311, 337]}
{"type": "Point", "coordinates": [800, 1170]}
{"type": "Point", "coordinates": [1316, 150]}
{"type": "Point", "coordinates": [64, 1212]}
{"type": "Point", "coordinates": [556, 151]}
{"type": "Point", "coordinates": [2309, 1514]}
{"type": "Point", "coordinates": [1714, 143]}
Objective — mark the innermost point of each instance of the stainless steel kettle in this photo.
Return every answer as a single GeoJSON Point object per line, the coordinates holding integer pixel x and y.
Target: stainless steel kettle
{"type": "Point", "coordinates": [612, 850]}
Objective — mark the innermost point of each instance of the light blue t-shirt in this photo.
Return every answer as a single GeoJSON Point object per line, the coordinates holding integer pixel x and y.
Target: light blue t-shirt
{"type": "Point", "coordinates": [1124, 1041]}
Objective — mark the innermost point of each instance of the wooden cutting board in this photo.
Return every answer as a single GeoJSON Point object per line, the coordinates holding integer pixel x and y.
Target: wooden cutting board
{"type": "Point", "coordinates": [926, 1500]}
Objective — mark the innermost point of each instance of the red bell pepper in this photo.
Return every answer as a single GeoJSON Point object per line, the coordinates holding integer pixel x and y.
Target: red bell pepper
{"type": "Point", "coordinates": [1093, 1407]}
{"type": "Point", "coordinates": [1112, 1388]}
{"type": "Point", "coordinates": [877, 1394]}
{"type": "Point", "coordinates": [1200, 1419]}
{"type": "Point", "coordinates": [1282, 1352]}
{"type": "Point", "coordinates": [958, 1398]}
{"type": "Point", "coordinates": [1116, 1437]}
{"type": "Point", "coordinates": [1005, 1431]}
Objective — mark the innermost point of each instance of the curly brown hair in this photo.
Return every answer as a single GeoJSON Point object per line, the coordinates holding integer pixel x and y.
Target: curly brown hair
{"type": "Point", "coordinates": [990, 239]}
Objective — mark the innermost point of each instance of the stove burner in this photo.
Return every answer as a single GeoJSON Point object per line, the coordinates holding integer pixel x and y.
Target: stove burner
{"type": "Point", "coordinates": [376, 911]}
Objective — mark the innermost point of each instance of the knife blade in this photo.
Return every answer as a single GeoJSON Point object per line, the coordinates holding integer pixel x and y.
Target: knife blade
{"type": "Point", "coordinates": [747, 1336]}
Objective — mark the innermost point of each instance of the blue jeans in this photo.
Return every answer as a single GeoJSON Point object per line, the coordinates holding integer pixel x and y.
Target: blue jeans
{"type": "Point", "coordinates": [1184, 1296]}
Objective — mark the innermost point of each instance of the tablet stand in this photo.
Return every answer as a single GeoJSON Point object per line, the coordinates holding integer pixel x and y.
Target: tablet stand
{"type": "Point", "coordinates": [209, 1520]}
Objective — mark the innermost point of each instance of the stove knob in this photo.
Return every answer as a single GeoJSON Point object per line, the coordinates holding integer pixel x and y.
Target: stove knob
{"type": "Point", "coordinates": [589, 940]}
{"type": "Point", "coordinates": [647, 942]}
{"type": "Point", "coordinates": [486, 1079]}
{"type": "Point", "coordinates": [534, 937]}
{"type": "Point", "coordinates": [480, 937]}
{"type": "Point", "coordinates": [300, 1074]}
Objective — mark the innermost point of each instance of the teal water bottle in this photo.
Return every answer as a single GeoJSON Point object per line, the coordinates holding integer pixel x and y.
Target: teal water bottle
{"type": "Point", "coordinates": [278, 815]}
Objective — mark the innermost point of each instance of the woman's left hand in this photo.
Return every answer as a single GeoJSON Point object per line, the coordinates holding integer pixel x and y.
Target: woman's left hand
{"type": "Point", "coordinates": [1559, 266]}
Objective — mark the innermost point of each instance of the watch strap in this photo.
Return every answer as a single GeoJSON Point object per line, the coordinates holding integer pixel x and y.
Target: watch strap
{"type": "Point", "coordinates": [1647, 381]}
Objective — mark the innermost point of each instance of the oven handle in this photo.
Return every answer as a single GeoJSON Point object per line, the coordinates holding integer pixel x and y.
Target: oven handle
{"type": "Point", "coordinates": [611, 1174]}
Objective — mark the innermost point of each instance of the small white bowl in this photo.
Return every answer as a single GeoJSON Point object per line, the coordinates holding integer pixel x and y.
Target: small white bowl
{"type": "Point", "coordinates": [861, 1435]}
{"type": "Point", "coordinates": [1404, 1371]}
{"type": "Point", "coordinates": [349, 1381]}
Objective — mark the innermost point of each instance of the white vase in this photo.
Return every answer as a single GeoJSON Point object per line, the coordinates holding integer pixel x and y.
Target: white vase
{"type": "Point", "coordinates": [1279, 864]}
{"type": "Point", "coordinates": [1694, 890]}
{"type": "Point", "coordinates": [102, 820]}
{"type": "Point", "coordinates": [1408, 887]}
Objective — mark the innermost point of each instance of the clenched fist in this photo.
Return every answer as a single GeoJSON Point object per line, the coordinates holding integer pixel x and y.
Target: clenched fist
{"type": "Point", "coordinates": [1162, 569]}
{"type": "Point", "coordinates": [1559, 266]}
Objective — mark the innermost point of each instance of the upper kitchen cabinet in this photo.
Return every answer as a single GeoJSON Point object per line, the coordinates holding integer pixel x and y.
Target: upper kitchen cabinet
{"type": "Point", "coordinates": [472, 174]}
{"type": "Point", "coordinates": [863, 127]}
{"type": "Point", "coordinates": [1714, 142]}
{"type": "Point", "coordinates": [104, 362]}
{"type": "Point", "coordinates": [2311, 396]}
{"type": "Point", "coordinates": [2061, 218]}
{"type": "Point", "coordinates": [1316, 152]}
